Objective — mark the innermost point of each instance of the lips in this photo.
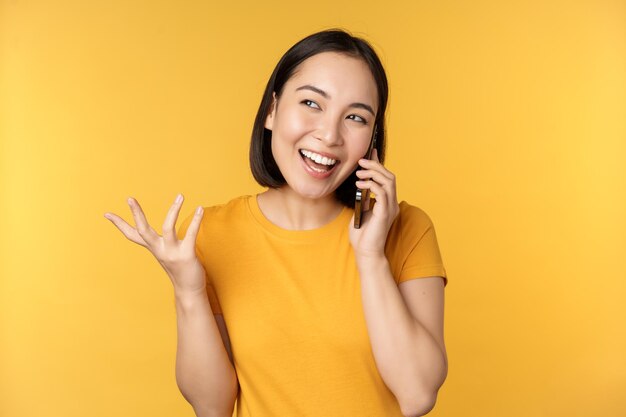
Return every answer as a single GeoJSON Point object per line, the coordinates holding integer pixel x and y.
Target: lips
{"type": "Point", "coordinates": [319, 157]}
{"type": "Point", "coordinates": [313, 172]}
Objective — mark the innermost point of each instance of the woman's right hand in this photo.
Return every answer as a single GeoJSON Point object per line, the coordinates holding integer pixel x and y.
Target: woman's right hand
{"type": "Point", "coordinates": [177, 257]}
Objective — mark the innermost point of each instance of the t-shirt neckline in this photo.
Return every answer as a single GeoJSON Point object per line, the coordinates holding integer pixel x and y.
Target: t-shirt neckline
{"type": "Point", "coordinates": [328, 230]}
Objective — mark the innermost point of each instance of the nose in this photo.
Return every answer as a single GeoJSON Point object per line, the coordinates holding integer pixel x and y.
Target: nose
{"type": "Point", "coordinates": [330, 132]}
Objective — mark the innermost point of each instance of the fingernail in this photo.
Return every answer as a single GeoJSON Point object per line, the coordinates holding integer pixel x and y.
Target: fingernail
{"type": "Point", "coordinates": [130, 201]}
{"type": "Point", "coordinates": [179, 198]}
{"type": "Point", "coordinates": [107, 216]}
{"type": "Point", "coordinates": [199, 210]}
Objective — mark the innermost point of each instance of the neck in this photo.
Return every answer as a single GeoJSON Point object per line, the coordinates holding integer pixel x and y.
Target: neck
{"type": "Point", "coordinates": [292, 211]}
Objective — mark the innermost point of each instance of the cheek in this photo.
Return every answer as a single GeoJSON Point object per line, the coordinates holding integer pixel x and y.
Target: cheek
{"type": "Point", "coordinates": [288, 130]}
{"type": "Point", "coordinates": [293, 123]}
{"type": "Point", "coordinates": [359, 149]}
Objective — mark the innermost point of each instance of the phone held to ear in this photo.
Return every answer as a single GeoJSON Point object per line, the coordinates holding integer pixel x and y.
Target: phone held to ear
{"type": "Point", "coordinates": [360, 193]}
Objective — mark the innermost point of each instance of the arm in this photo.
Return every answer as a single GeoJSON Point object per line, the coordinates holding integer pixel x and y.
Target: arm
{"type": "Point", "coordinates": [204, 372]}
{"type": "Point", "coordinates": [404, 321]}
{"type": "Point", "coordinates": [409, 353]}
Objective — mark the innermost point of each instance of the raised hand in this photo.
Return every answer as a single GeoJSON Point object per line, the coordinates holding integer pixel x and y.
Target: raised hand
{"type": "Point", "coordinates": [177, 257]}
{"type": "Point", "coordinates": [369, 241]}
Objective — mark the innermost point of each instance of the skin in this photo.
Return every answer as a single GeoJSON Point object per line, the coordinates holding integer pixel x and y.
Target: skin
{"type": "Point", "coordinates": [304, 119]}
{"type": "Point", "coordinates": [405, 321]}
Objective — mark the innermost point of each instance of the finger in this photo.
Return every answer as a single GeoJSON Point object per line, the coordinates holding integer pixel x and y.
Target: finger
{"type": "Point", "coordinates": [381, 194]}
{"type": "Point", "coordinates": [388, 184]}
{"type": "Point", "coordinates": [126, 229]}
{"type": "Point", "coordinates": [375, 155]}
{"type": "Point", "coordinates": [192, 231]}
{"type": "Point", "coordinates": [149, 235]}
{"type": "Point", "coordinates": [169, 232]}
{"type": "Point", "coordinates": [377, 176]}
{"type": "Point", "coordinates": [377, 166]}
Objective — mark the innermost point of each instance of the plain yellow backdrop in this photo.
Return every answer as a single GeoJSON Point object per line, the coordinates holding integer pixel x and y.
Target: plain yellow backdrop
{"type": "Point", "coordinates": [507, 125]}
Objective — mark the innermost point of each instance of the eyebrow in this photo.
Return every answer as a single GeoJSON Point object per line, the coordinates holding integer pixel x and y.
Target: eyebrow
{"type": "Point", "coordinates": [325, 95]}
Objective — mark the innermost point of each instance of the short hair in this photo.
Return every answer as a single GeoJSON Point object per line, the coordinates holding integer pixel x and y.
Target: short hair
{"type": "Point", "coordinates": [262, 163]}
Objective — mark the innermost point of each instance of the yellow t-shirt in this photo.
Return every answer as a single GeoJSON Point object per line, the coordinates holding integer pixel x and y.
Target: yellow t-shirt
{"type": "Point", "coordinates": [291, 300]}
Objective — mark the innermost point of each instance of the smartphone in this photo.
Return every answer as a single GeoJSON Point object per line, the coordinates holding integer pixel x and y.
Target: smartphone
{"type": "Point", "coordinates": [360, 193]}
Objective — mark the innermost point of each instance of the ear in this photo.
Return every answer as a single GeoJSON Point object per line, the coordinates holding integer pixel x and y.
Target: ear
{"type": "Point", "coordinates": [269, 120]}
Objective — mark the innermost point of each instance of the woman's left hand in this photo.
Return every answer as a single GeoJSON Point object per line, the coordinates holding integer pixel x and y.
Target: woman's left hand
{"type": "Point", "coordinates": [369, 240]}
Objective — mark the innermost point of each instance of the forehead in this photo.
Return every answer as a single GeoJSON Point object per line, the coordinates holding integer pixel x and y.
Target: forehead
{"type": "Point", "coordinates": [341, 76]}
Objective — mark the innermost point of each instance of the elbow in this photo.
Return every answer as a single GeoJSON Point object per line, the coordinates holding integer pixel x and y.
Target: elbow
{"type": "Point", "coordinates": [208, 412]}
{"type": "Point", "coordinates": [420, 406]}
{"type": "Point", "coordinates": [424, 402]}
{"type": "Point", "coordinates": [220, 404]}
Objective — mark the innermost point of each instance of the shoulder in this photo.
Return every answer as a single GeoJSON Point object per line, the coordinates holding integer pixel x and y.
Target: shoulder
{"type": "Point", "coordinates": [411, 220]}
{"type": "Point", "coordinates": [411, 242]}
{"type": "Point", "coordinates": [217, 214]}
{"type": "Point", "coordinates": [409, 210]}
{"type": "Point", "coordinates": [228, 208]}
{"type": "Point", "coordinates": [226, 217]}
{"type": "Point", "coordinates": [409, 226]}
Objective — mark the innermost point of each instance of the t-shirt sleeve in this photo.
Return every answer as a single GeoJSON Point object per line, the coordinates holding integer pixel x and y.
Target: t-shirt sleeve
{"type": "Point", "coordinates": [420, 240]}
{"type": "Point", "coordinates": [200, 240]}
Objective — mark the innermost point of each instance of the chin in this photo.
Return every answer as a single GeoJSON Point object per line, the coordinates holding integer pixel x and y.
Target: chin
{"type": "Point", "coordinates": [312, 193]}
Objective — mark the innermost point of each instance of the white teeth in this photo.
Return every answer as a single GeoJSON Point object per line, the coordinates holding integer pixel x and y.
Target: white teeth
{"type": "Point", "coordinates": [318, 158]}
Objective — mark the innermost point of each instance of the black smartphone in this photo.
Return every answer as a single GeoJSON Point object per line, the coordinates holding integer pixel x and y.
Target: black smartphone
{"type": "Point", "coordinates": [360, 193]}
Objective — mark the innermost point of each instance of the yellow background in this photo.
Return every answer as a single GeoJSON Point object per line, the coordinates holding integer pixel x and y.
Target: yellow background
{"type": "Point", "coordinates": [507, 125]}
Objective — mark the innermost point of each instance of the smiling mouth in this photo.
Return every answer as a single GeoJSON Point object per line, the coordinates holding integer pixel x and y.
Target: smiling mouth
{"type": "Point", "coordinates": [317, 166]}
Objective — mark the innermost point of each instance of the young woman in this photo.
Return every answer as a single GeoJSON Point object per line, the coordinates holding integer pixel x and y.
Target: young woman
{"type": "Point", "coordinates": [284, 308]}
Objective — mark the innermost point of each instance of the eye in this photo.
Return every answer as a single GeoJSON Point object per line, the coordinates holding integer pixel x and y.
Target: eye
{"type": "Point", "coordinates": [362, 119]}
{"type": "Point", "coordinates": [309, 101]}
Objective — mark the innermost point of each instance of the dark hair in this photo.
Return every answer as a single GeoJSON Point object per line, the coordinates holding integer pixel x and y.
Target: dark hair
{"type": "Point", "coordinates": [262, 163]}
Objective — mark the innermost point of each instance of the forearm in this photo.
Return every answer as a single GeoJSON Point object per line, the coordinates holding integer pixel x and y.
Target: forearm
{"type": "Point", "coordinates": [409, 359]}
{"type": "Point", "coordinates": [204, 373]}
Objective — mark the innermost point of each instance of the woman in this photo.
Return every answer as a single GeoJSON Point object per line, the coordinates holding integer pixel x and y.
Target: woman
{"type": "Point", "coordinates": [316, 317]}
